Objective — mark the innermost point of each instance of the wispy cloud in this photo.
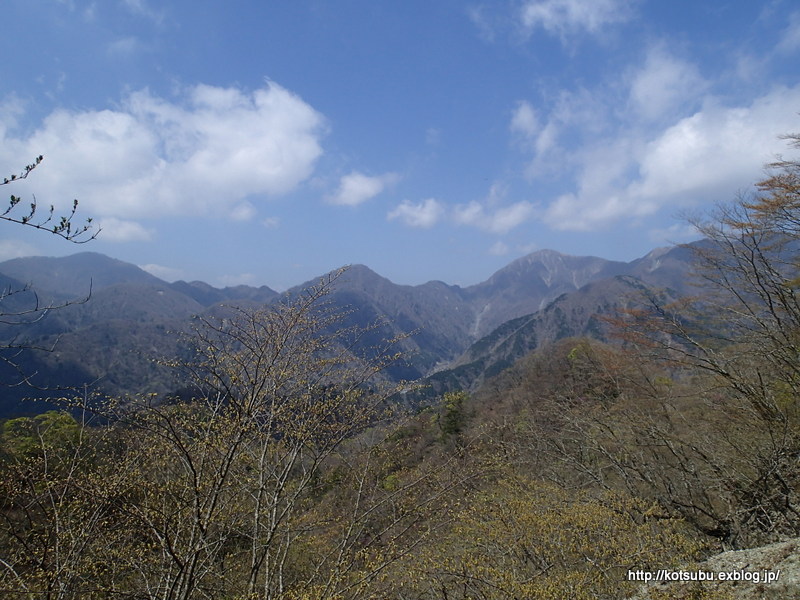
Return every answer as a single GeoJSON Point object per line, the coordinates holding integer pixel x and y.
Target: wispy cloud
{"type": "Point", "coordinates": [524, 120]}
{"type": "Point", "coordinates": [656, 137]}
{"type": "Point", "coordinates": [112, 229]}
{"type": "Point", "coordinates": [493, 219]}
{"type": "Point", "coordinates": [499, 248]}
{"type": "Point", "coordinates": [677, 233]}
{"type": "Point", "coordinates": [125, 46]}
{"type": "Point", "coordinates": [480, 17]}
{"type": "Point", "coordinates": [142, 8]}
{"type": "Point", "coordinates": [162, 272]}
{"type": "Point", "coordinates": [564, 18]}
{"type": "Point", "coordinates": [271, 222]}
{"type": "Point", "coordinates": [244, 211]}
{"type": "Point", "coordinates": [15, 249]}
{"type": "Point", "coordinates": [422, 214]}
{"type": "Point", "coordinates": [664, 84]}
{"type": "Point", "coordinates": [356, 188]}
{"type": "Point", "coordinates": [789, 41]}
{"type": "Point", "coordinates": [12, 108]}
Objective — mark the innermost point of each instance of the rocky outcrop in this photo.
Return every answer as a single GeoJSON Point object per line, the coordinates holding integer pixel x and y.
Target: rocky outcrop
{"type": "Point", "coordinates": [764, 573]}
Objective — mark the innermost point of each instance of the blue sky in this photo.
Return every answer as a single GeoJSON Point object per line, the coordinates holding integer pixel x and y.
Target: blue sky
{"type": "Point", "coordinates": [267, 142]}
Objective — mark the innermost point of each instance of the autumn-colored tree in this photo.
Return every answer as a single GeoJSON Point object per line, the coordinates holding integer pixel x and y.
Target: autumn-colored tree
{"type": "Point", "coordinates": [733, 470]}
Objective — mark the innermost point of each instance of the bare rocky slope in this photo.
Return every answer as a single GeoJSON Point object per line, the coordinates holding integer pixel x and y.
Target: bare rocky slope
{"type": "Point", "coordinates": [745, 573]}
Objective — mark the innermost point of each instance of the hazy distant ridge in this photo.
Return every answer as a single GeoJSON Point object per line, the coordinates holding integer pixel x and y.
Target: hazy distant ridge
{"type": "Point", "coordinates": [133, 317]}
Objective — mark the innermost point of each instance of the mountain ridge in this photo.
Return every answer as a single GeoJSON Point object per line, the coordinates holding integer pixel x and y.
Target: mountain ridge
{"type": "Point", "coordinates": [449, 324]}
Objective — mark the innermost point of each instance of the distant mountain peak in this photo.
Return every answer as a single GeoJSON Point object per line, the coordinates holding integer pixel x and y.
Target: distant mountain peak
{"type": "Point", "coordinates": [657, 253]}
{"type": "Point", "coordinates": [357, 268]}
{"type": "Point", "coordinates": [76, 274]}
{"type": "Point", "coordinates": [546, 253]}
{"type": "Point", "coordinates": [551, 259]}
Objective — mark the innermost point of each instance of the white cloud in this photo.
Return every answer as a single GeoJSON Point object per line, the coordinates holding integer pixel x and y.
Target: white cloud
{"type": "Point", "coordinates": [472, 213]}
{"type": "Point", "coordinates": [499, 220]}
{"type": "Point", "coordinates": [499, 249]}
{"type": "Point", "coordinates": [677, 233]}
{"type": "Point", "coordinates": [478, 15]}
{"type": "Point", "coordinates": [657, 138]}
{"type": "Point", "coordinates": [790, 37]}
{"type": "Point", "coordinates": [126, 46]}
{"type": "Point", "coordinates": [422, 214]}
{"type": "Point", "coordinates": [564, 17]}
{"type": "Point", "coordinates": [497, 191]}
{"type": "Point", "coordinates": [162, 272]}
{"type": "Point", "coordinates": [583, 113]}
{"type": "Point", "coordinates": [524, 120]}
{"type": "Point", "coordinates": [507, 218]}
{"type": "Point", "coordinates": [433, 136]}
{"type": "Point", "coordinates": [142, 8]}
{"type": "Point", "coordinates": [90, 12]}
{"type": "Point", "coordinates": [356, 188]}
{"type": "Point", "coordinates": [243, 212]}
{"type": "Point", "coordinates": [271, 222]}
{"type": "Point", "coordinates": [11, 109]}
{"type": "Point", "coordinates": [202, 156]}
{"type": "Point", "coordinates": [706, 157]}
{"type": "Point", "coordinates": [15, 249]}
{"type": "Point", "coordinates": [528, 248]}
{"type": "Point", "coordinates": [579, 212]}
{"type": "Point", "coordinates": [716, 145]}
{"type": "Point", "coordinates": [112, 229]}
{"type": "Point", "coordinates": [135, 6]}
{"type": "Point", "coordinates": [663, 84]}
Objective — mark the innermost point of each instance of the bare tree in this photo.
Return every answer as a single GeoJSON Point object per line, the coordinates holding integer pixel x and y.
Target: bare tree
{"type": "Point", "coordinates": [20, 306]}
{"type": "Point", "coordinates": [61, 226]}
{"type": "Point", "coordinates": [719, 444]}
{"type": "Point", "coordinates": [238, 487]}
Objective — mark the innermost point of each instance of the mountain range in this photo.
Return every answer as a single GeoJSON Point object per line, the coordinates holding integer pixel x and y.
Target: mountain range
{"type": "Point", "coordinates": [116, 320]}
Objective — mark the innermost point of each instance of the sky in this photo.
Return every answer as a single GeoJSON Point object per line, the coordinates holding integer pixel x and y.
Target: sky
{"type": "Point", "coordinates": [267, 142]}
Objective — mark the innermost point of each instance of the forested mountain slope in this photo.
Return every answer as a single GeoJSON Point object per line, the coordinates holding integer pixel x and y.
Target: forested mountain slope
{"type": "Point", "coordinates": [115, 321]}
